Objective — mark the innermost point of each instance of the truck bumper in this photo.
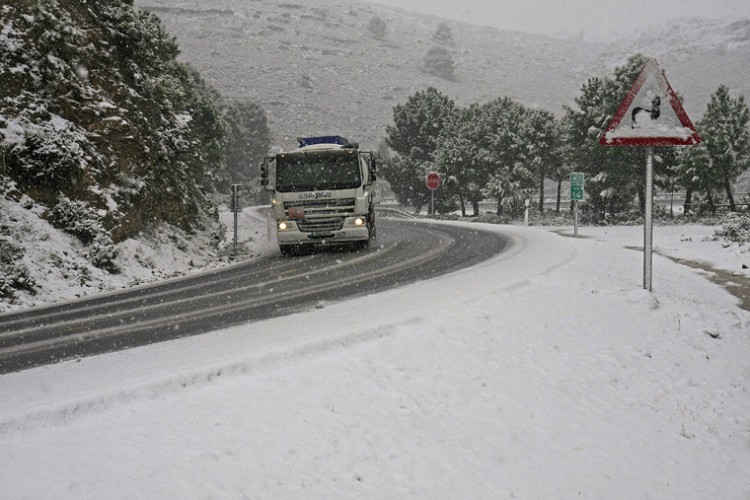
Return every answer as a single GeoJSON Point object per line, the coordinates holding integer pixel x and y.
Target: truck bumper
{"type": "Point", "coordinates": [348, 233]}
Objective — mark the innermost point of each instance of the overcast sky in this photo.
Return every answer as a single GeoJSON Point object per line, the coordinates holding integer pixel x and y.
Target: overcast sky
{"type": "Point", "coordinates": [598, 20]}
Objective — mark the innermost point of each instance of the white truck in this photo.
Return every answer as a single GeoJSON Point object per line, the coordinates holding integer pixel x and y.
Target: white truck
{"type": "Point", "coordinates": [322, 194]}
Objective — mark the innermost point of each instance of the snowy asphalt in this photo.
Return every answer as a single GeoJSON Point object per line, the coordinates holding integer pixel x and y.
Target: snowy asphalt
{"type": "Point", "coordinates": [273, 286]}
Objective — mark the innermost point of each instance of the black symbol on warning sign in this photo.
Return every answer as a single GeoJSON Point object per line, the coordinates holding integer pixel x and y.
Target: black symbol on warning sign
{"type": "Point", "coordinates": [642, 113]}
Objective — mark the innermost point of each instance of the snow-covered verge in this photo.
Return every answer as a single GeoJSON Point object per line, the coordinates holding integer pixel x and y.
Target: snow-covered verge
{"type": "Point", "coordinates": [56, 266]}
{"type": "Point", "coordinates": [547, 372]}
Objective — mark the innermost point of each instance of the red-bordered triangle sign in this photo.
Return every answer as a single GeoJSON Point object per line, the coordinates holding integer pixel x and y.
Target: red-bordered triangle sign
{"type": "Point", "coordinates": [650, 115]}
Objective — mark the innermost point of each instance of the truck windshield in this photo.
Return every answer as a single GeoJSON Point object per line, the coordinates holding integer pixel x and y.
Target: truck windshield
{"type": "Point", "coordinates": [317, 170]}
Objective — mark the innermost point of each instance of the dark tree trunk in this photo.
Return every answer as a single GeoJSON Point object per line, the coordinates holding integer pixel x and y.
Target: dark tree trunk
{"type": "Point", "coordinates": [559, 195]}
{"type": "Point", "coordinates": [688, 205]}
{"type": "Point", "coordinates": [730, 197]}
{"type": "Point", "coordinates": [541, 195]}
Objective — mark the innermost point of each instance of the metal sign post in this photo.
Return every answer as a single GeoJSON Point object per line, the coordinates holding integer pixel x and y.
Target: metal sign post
{"type": "Point", "coordinates": [235, 205]}
{"type": "Point", "coordinates": [648, 227]}
{"type": "Point", "coordinates": [432, 181]}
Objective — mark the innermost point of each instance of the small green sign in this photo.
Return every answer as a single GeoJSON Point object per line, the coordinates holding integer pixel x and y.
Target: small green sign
{"type": "Point", "coordinates": [576, 186]}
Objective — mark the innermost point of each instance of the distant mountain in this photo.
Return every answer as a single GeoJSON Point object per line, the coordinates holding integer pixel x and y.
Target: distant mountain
{"type": "Point", "coordinates": [316, 68]}
{"type": "Point", "coordinates": [697, 55]}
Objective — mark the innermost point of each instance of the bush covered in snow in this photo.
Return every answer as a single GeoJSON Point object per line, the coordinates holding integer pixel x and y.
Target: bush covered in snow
{"type": "Point", "coordinates": [14, 275]}
{"type": "Point", "coordinates": [79, 219]}
{"type": "Point", "coordinates": [735, 229]}
{"type": "Point", "coordinates": [95, 107]}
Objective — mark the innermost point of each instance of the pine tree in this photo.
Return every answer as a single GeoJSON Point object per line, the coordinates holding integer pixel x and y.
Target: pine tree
{"type": "Point", "coordinates": [725, 133]}
{"type": "Point", "coordinates": [417, 124]}
{"type": "Point", "coordinates": [443, 34]}
{"type": "Point", "coordinates": [439, 62]}
{"type": "Point", "coordinates": [694, 174]}
{"type": "Point", "coordinates": [377, 28]}
{"type": "Point", "coordinates": [413, 135]}
{"type": "Point", "coordinates": [504, 149]}
{"type": "Point", "coordinates": [539, 132]}
{"type": "Point", "coordinates": [459, 158]}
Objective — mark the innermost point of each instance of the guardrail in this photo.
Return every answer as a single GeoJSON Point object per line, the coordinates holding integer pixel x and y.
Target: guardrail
{"type": "Point", "coordinates": [394, 212]}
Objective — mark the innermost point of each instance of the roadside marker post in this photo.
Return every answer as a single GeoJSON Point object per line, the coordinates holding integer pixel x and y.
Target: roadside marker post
{"type": "Point", "coordinates": [643, 120]}
{"type": "Point", "coordinates": [577, 180]}
{"type": "Point", "coordinates": [526, 212]}
{"type": "Point", "coordinates": [235, 206]}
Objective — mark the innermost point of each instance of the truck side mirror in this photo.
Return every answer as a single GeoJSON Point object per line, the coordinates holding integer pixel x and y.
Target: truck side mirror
{"type": "Point", "coordinates": [264, 176]}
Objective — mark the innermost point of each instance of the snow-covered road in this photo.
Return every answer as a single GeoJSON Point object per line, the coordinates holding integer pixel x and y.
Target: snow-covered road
{"type": "Point", "coordinates": [546, 372]}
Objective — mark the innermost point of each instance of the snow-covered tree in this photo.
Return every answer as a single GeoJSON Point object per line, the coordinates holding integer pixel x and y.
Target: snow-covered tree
{"type": "Point", "coordinates": [511, 180]}
{"type": "Point", "coordinates": [726, 136]}
{"type": "Point", "coordinates": [377, 27]}
{"type": "Point", "coordinates": [459, 157]}
{"type": "Point", "coordinates": [540, 134]}
{"type": "Point", "coordinates": [414, 135]}
{"type": "Point", "coordinates": [439, 61]}
{"type": "Point", "coordinates": [443, 34]}
{"type": "Point", "coordinates": [14, 275]}
{"type": "Point", "coordinates": [694, 173]}
{"type": "Point", "coordinates": [417, 124]}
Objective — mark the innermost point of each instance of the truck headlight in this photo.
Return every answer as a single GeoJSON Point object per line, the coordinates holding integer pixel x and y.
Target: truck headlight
{"type": "Point", "coordinates": [359, 221]}
{"type": "Point", "coordinates": [282, 226]}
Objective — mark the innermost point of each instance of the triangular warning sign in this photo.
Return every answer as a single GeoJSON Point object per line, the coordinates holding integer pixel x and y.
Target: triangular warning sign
{"type": "Point", "coordinates": [650, 115]}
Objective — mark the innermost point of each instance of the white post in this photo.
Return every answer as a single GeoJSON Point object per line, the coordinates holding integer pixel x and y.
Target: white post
{"type": "Point", "coordinates": [432, 202]}
{"type": "Point", "coordinates": [575, 218]}
{"type": "Point", "coordinates": [526, 213]}
{"type": "Point", "coordinates": [648, 228]}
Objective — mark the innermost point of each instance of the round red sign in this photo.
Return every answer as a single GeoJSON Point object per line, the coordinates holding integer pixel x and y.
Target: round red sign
{"type": "Point", "coordinates": [432, 181]}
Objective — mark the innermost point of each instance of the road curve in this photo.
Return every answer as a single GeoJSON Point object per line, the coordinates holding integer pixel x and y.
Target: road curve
{"type": "Point", "coordinates": [406, 251]}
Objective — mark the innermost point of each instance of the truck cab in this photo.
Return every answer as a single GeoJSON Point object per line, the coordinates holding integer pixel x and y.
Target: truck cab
{"type": "Point", "coordinates": [322, 194]}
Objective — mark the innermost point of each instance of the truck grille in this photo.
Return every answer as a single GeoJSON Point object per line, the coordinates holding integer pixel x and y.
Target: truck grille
{"type": "Point", "coordinates": [327, 225]}
{"type": "Point", "coordinates": [322, 208]}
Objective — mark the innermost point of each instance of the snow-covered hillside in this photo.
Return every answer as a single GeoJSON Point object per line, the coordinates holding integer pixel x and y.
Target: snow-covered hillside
{"type": "Point", "coordinates": [104, 136]}
{"type": "Point", "coordinates": [315, 67]}
{"type": "Point", "coordinates": [327, 73]}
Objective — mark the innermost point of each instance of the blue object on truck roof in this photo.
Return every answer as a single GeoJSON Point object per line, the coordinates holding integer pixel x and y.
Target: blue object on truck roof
{"type": "Point", "coordinates": [326, 139]}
